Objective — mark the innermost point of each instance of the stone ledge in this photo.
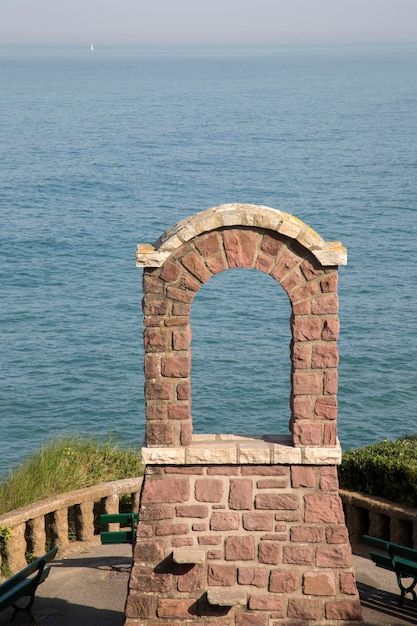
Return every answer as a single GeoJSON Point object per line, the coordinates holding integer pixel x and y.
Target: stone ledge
{"type": "Point", "coordinates": [188, 555]}
{"type": "Point", "coordinates": [242, 450]}
{"type": "Point", "coordinates": [232, 596]}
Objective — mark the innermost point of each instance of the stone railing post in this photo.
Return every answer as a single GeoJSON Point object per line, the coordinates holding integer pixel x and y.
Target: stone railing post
{"type": "Point", "coordinates": [37, 535]}
{"type": "Point", "coordinates": [84, 521]}
{"type": "Point", "coordinates": [15, 550]}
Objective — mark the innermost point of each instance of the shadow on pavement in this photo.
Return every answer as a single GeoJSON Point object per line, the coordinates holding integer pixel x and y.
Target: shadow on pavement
{"type": "Point", "coordinates": [384, 605]}
{"type": "Point", "coordinates": [57, 612]}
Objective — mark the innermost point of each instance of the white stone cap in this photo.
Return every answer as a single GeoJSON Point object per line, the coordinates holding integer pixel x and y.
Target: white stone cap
{"type": "Point", "coordinates": [242, 450]}
{"type": "Point", "coordinates": [328, 253]}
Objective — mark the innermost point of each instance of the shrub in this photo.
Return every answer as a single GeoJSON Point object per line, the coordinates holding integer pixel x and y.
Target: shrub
{"type": "Point", "coordinates": [387, 469]}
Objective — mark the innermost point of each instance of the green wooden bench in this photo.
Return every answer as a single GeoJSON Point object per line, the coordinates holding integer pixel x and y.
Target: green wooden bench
{"type": "Point", "coordinates": [398, 559]}
{"type": "Point", "coordinates": [24, 585]}
{"type": "Point", "coordinates": [124, 535]}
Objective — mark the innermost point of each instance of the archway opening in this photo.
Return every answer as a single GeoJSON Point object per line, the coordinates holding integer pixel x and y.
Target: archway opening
{"type": "Point", "coordinates": [241, 367]}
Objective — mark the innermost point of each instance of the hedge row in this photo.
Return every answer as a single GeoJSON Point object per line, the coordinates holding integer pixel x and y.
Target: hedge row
{"type": "Point", "coordinates": [387, 469]}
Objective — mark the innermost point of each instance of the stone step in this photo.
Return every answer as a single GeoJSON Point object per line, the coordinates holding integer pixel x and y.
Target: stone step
{"type": "Point", "coordinates": [227, 596]}
{"type": "Point", "coordinates": [189, 554]}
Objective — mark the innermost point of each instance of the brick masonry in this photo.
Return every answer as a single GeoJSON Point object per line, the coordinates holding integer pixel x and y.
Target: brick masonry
{"type": "Point", "coordinates": [221, 541]}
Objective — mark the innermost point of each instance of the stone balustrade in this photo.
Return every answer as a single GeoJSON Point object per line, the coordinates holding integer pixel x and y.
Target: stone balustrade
{"type": "Point", "coordinates": [380, 518]}
{"type": "Point", "coordinates": [63, 519]}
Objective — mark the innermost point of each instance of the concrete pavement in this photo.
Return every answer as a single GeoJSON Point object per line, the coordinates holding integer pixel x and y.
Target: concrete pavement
{"type": "Point", "coordinates": [89, 586]}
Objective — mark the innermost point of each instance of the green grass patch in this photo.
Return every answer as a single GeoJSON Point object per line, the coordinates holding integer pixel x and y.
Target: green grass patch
{"type": "Point", "coordinates": [387, 469]}
{"type": "Point", "coordinates": [65, 464]}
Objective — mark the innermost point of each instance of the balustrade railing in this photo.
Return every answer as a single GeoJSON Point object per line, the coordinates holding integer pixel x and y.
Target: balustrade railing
{"type": "Point", "coordinates": [61, 520]}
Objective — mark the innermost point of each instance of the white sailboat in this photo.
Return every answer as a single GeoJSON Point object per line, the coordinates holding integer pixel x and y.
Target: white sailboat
{"type": "Point", "coordinates": [92, 48]}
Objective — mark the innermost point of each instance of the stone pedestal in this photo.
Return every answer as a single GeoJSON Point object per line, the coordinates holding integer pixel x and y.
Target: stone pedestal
{"type": "Point", "coordinates": [233, 530]}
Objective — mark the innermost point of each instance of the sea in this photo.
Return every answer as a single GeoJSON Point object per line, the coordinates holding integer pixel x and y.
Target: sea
{"type": "Point", "coordinates": [101, 150]}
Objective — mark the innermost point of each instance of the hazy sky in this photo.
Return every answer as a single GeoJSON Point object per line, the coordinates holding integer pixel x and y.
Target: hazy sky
{"type": "Point", "coordinates": [205, 21]}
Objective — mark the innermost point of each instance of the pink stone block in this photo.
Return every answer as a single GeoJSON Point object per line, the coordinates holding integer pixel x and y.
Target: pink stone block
{"type": "Point", "coordinates": [196, 266]}
{"type": "Point", "coordinates": [319, 584]}
{"type": "Point", "coordinates": [306, 328]}
{"type": "Point", "coordinates": [255, 576]}
{"type": "Point", "coordinates": [239, 548]}
{"type": "Point", "coordinates": [166, 490]}
{"type": "Point", "coordinates": [333, 557]}
{"type": "Point", "coordinates": [305, 609]}
{"type": "Point", "coordinates": [323, 507]}
{"type": "Point", "coordinates": [240, 246]}
{"type": "Point", "coordinates": [240, 494]}
{"type": "Point", "coordinates": [306, 383]}
{"type": "Point", "coordinates": [207, 245]}
{"type": "Point", "coordinates": [269, 552]}
{"type": "Point", "coordinates": [298, 555]}
{"type": "Point", "coordinates": [326, 408]}
{"type": "Point", "coordinates": [346, 610]}
{"type": "Point", "coordinates": [221, 575]}
{"type": "Point", "coordinates": [284, 581]}
{"type": "Point", "coordinates": [208, 490]}
{"type": "Point", "coordinates": [324, 356]}
{"type": "Point", "coordinates": [257, 521]}
{"type": "Point", "coordinates": [224, 521]}
{"type": "Point", "coordinates": [303, 476]}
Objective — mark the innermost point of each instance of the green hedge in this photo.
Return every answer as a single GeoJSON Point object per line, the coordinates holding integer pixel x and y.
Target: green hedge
{"type": "Point", "coordinates": [387, 469]}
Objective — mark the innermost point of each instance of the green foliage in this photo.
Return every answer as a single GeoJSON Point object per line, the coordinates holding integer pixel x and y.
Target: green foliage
{"type": "Point", "coordinates": [5, 535]}
{"type": "Point", "coordinates": [387, 469]}
{"type": "Point", "coordinates": [65, 464]}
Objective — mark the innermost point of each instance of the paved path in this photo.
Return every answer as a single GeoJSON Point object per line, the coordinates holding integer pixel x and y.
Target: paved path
{"type": "Point", "coordinates": [89, 588]}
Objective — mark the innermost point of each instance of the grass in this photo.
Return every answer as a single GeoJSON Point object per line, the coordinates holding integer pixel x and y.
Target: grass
{"type": "Point", "coordinates": [65, 464]}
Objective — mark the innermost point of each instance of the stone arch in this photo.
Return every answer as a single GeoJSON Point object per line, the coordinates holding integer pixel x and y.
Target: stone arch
{"type": "Point", "coordinates": [251, 237]}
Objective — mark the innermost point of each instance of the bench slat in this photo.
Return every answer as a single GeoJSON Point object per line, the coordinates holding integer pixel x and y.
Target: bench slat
{"type": "Point", "coordinates": [121, 536]}
{"type": "Point", "coordinates": [118, 518]}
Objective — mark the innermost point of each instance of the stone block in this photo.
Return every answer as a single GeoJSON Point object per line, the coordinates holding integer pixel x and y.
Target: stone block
{"type": "Point", "coordinates": [306, 534]}
{"type": "Point", "coordinates": [305, 609]}
{"type": "Point", "coordinates": [284, 581]}
{"type": "Point", "coordinates": [221, 575]}
{"type": "Point", "coordinates": [283, 501]}
{"type": "Point", "coordinates": [192, 510]}
{"type": "Point", "coordinates": [324, 356]}
{"type": "Point", "coordinates": [323, 508]}
{"type": "Point", "coordinates": [226, 520]}
{"type": "Point", "coordinates": [306, 383]}
{"type": "Point", "coordinates": [303, 476]}
{"type": "Point", "coordinates": [333, 557]}
{"type": "Point", "coordinates": [149, 551]}
{"type": "Point", "coordinates": [269, 552]}
{"type": "Point", "coordinates": [240, 494]}
{"type": "Point", "coordinates": [255, 576]}
{"type": "Point", "coordinates": [346, 610]}
{"type": "Point", "coordinates": [164, 529]}
{"type": "Point", "coordinates": [148, 580]}
{"type": "Point", "coordinates": [166, 490]}
{"type": "Point", "coordinates": [319, 584]}
{"type": "Point", "coordinates": [191, 579]}
{"type": "Point", "coordinates": [267, 603]}
{"type": "Point", "coordinates": [252, 619]}
{"type": "Point", "coordinates": [297, 555]}
{"type": "Point", "coordinates": [258, 521]}
{"type": "Point", "coordinates": [209, 490]}
{"type": "Point", "coordinates": [239, 548]}
{"type": "Point", "coordinates": [176, 608]}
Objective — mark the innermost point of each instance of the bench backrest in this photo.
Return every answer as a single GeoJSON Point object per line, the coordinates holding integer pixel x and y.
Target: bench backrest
{"type": "Point", "coordinates": [27, 571]}
{"type": "Point", "coordinates": [393, 549]}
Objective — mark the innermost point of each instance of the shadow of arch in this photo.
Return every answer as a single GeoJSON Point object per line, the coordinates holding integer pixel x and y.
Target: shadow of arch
{"type": "Point", "coordinates": [241, 368]}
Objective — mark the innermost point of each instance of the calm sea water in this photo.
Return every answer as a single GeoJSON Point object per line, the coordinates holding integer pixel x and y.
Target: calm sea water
{"type": "Point", "coordinates": [100, 151]}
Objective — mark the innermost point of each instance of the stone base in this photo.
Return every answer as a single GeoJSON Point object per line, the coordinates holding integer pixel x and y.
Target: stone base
{"type": "Point", "coordinates": [242, 545]}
